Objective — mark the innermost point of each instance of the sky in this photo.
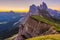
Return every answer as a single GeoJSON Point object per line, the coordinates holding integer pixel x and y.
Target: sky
{"type": "Point", "coordinates": [23, 5]}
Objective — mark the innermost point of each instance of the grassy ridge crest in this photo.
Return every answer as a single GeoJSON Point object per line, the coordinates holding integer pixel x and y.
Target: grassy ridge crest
{"type": "Point", "coordinates": [42, 19]}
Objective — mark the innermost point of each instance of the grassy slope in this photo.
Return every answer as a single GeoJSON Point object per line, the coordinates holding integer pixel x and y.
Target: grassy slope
{"type": "Point", "coordinates": [48, 37]}
{"type": "Point", "coordinates": [56, 26]}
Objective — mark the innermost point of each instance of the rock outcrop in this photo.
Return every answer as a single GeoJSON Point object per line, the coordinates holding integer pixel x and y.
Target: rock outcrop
{"type": "Point", "coordinates": [43, 10]}
{"type": "Point", "coordinates": [43, 6]}
{"type": "Point", "coordinates": [54, 14]}
{"type": "Point", "coordinates": [33, 28]}
{"type": "Point", "coordinates": [33, 10]}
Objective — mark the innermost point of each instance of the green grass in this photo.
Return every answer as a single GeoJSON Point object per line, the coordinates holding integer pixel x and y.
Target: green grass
{"type": "Point", "coordinates": [47, 37]}
{"type": "Point", "coordinates": [42, 19]}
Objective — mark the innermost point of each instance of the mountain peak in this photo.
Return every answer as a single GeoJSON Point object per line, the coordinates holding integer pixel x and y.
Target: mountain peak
{"type": "Point", "coordinates": [33, 10]}
{"type": "Point", "coordinates": [43, 6]}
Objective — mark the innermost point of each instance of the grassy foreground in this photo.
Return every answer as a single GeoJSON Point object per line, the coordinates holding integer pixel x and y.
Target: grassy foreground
{"type": "Point", "coordinates": [42, 19]}
{"type": "Point", "coordinates": [48, 37]}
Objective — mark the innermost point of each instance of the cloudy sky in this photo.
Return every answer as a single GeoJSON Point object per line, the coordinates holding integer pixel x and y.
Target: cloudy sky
{"type": "Point", "coordinates": [23, 5]}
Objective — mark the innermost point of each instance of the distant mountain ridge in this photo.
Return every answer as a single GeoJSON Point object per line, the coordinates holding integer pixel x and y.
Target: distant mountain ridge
{"type": "Point", "coordinates": [9, 23]}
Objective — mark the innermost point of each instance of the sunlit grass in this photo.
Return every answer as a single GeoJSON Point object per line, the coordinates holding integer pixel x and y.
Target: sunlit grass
{"type": "Point", "coordinates": [48, 37]}
{"type": "Point", "coordinates": [56, 26]}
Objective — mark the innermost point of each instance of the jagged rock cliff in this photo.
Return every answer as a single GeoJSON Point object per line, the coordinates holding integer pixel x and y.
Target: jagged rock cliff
{"type": "Point", "coordinates": [43, 6]}
{"type": "Point", "coordinates": [33, 10]}
{"type": "Point", "coordinates": [33, 28]}
{"type": "Point", "coordinates": [43, 10]}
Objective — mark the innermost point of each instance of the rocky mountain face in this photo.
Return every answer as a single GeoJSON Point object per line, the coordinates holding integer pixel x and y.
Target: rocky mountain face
{"type": "Point", "coordinates": [43, 10]}
{"type": "Point", "coordinates": [43, 6]}
{"type": "Point", "coordinates": [33, 28]}
{"type": "Point", "coordinates": [33, 10]}
{"type": "Point", "coordinates": [54, 14]}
